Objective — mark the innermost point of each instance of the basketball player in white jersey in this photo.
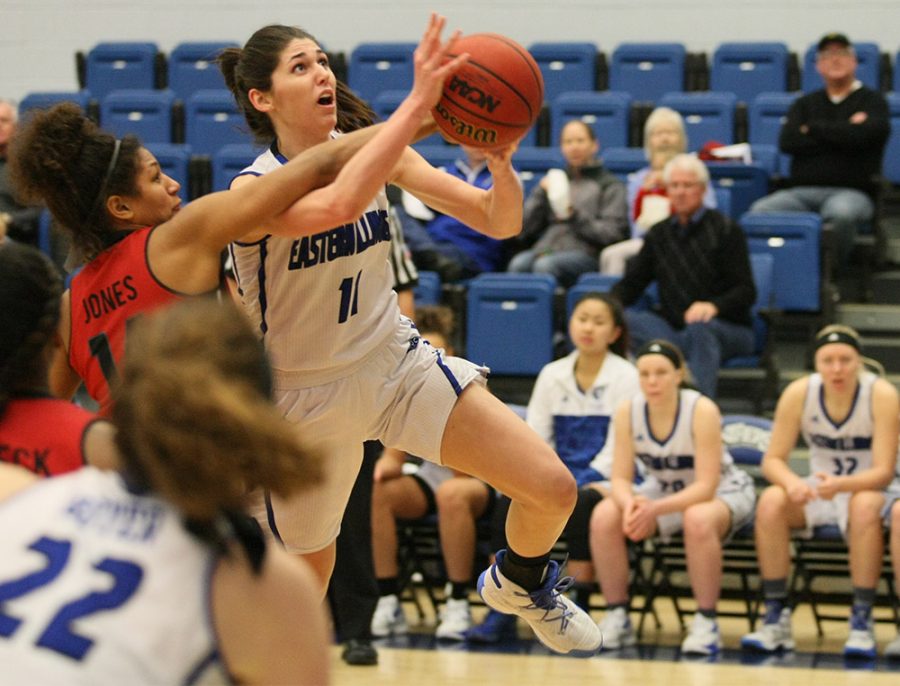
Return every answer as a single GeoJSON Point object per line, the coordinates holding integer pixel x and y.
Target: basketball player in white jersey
{"type": "Point", "coordinates": [349, 368]}
{"type": "Point", "coordinates": [849, 419]}
{"type": "Point", "coordinates": [153, 575]}
{"type": "Point", "coordinates": [692, 486]}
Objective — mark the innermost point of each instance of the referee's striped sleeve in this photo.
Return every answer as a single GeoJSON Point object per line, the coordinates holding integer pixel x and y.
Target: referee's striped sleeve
{"type": "Point", "coordinates": [405, 274]}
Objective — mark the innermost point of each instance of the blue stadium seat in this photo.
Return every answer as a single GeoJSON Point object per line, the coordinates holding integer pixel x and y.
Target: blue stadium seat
{"type": "Point", "coordinates": [228, 161]}
{"type": "Point", "coordinates": [428, 290]}
{"type": "Point", "coordinates": [747, 183]}
{"type": "Point", "coordinates": [607, 113]}
{"type": "Point", "coordinates": [566, 67]}
{"type": "Point", "coordinates": [144, 113]}
{"type": "Point", "coordinates": [723, 200]}
{"type": "Point", "coordinates": [192, 67]}
{"type": "Point", "coordinates": [766, 114]}
{"type": "Point", "coordinates": [747, 69]}
{"type": "Point", "coordinates": [45, 223]}
{"type": "Point", "coordinates": [891, 167]}
{"type": "Point", "coordinates": [793, 239]}
{"type": "Point", "coordinates": [114, 66]}
{"type": "Point", "coordinates": [509, 322]}
{"type": "Point", "coordinates": [211, 120]}
{"type": "Point", "coordinates": [591, 282]}
{"type": "Point", "coordinates": [532, 163]}
{"type": "Point", "coordinates": [376, 67]}
{"type": "Point", "coordinates": [45, 99]}
{"type": "Point", "coordinates": [623, 161]}
{"type": "Point", "coordinates": [648, 70]}
{"type": "Point", "coordinates": [869, 70]}
{"type": "Point", "coordinates": [175, 161]}
{"type": "Point", "coordinates": [708, 116]}
{"type": "Point", "coordinates": [746, 437]}
{"type": "Point", "coordinates": [387, 101]}
{"type": "Point", "coordinates": [439, 155]}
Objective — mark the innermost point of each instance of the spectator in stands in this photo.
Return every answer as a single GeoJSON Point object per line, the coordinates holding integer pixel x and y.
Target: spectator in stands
{"type": "Point", "coordinates": [664, 137]}
{"type": "Point", "coordinates": [571, 407]}
{"type": "Point", "coordinates": [18, 221]}
{"type": "Point", "coordinates": [574, 214]}
{"type": "Point", "coordinates": [443, 243]}
{"type": "Point", "coordinates": [699, 259]}
{"type": "Point", "coordinates": [398, 494]}
{"type": "Point", "coordinates": [836, 137]}
{"type": "Point", "coordinates": [692, 487]}
{"type": "Point", "coordinates": [848, 417]}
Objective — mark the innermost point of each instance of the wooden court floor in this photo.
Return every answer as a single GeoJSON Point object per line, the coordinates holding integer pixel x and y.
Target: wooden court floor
{"type": "Point", "coordinates": [656, 660]}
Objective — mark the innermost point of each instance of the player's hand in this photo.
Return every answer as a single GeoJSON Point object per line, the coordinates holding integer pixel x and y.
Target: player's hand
{"type": "Point", "coordinates": [800, 492]}
{"type": "Point", "coordinates": [432, 64]}
{"type": "Point", "coordinates": [826, 486]}
{"type": "Point", "coordinates": [639, 521]}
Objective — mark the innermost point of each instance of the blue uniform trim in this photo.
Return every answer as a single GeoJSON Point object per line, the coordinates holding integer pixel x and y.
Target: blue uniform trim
{"type": "Point", "coordinates": [197, 672]}
{"type": "Point", "coordinates": [837, 425]}
{"type": "Point", "coordinates": [450, 377]}
{"type": "Point", "coordinates": [674, 424]}
{"type": "Point", "coordinates": [270, 517]}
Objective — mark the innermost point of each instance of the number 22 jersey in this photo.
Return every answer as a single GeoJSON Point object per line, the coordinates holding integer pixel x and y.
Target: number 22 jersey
{"type": "Point", "coordinates": [100, 585]}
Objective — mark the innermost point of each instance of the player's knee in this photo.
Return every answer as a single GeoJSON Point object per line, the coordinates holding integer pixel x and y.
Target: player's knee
{"type": "Point", "coordinates": [772, 505]}
{"type": "Point", "coordinates": [698, 525]}
{"type": "Point", "coordinates": [865, 509]}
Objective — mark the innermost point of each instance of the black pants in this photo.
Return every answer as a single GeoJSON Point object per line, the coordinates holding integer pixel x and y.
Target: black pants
{"type": "Point", "coordinates": [353, 591]}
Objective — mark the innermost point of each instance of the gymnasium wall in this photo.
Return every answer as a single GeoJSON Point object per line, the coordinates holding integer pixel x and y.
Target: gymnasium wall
{"type": "Point", "coordinates": [38, 38]}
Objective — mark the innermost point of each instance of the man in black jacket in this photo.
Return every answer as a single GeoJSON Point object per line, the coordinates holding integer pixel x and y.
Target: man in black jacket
{"type": "Point", "coordinates": [836, 136]}
{"type": "Point", "coordinates": [698, 257]}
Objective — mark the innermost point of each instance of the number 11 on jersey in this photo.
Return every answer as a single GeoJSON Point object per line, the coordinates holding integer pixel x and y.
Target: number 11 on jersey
{"type": "Point", "coordinates": [349, 298]}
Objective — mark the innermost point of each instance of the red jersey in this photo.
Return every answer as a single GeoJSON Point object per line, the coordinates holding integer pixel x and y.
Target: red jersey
{"type": "Point", "coordinates": [45, 435]}
{"type": "Point", "coordinates": [111, 289]}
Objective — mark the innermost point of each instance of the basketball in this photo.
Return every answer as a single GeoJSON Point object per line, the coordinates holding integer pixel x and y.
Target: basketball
{"type": "Point", "coordinates": [495, 97]}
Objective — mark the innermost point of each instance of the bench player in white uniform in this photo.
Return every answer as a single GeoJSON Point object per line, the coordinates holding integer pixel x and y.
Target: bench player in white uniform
{"type": "Point", "coordinates": [348, 367]}
{"type": "Point", "coordinates": [849, 420]}
{"type": "Point", "coordinates": [691, 485]}
{"type": "Point", "coordinates": [153, 575]}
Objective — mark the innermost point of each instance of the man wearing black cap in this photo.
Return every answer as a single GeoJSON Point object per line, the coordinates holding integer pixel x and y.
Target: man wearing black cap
{"type": "Point", "coordinates": [837, 137]}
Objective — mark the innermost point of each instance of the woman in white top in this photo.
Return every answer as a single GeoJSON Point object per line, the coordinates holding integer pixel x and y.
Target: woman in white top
{"type": "Point", "coordinates": [348, 367]}
{"type": "Point", "coordinates": [153, 575]}
{"type": "Point", "coordinates": [849, 419]}
{"type": "Point", "coordinates": [692, 486]}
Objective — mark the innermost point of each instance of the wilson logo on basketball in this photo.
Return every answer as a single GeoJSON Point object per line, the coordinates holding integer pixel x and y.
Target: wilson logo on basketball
{"type": "Point", "coordinates": [472, 94]}
{"type": "Point", "coordinates": [465, 132]}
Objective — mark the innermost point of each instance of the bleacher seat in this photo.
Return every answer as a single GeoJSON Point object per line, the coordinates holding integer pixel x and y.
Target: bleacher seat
{"type": "Point", "coordinates": [723, 200]}
{"type": "Point", "coordinates": [428, 290]}
{"type": "Point", "coordinates": [509, 322]}
{"type": "Point", "coordinates": [212, 119]}
{"type": "Point", "coordinates": [532, 163]}
{"type": "Point", "coordinates": [747, 183]}
{"type": "Point", "coordinates": [566, 67]}
{"type": "Point", "coordinates": [607, 113]}
{"type": "Point", "coordinates": [758, 368]}
{"type": "Point", "coordinates": [376, 67]}
{"type": "Point", "coordinates": [891, 166]}
{"type": "Point", "coordinates": [115, 66]}
{"type": "Point", "coordinates": [766, 114]}
{"type": "Point", "coordinates": [590, 282]}
{"type": "Point", "coordinates": [623, 161]}
{"type": "Point", "coordinates": [192, 67]}
{"type": "Point", "coordinates": [794, 241]}
{"type": "Point", "coordinates": [868, 55]}
{"type": "Point", "coordinates": [648, 70]}
{"type": "Point", "coordinates": [387, 101]}
{"type": "Point", "coordinates": [708, 116]}
{"type": "Point", "coordinates": [41, 100]}
{"type": "Point", "coordinates": [144, 113]}
{"type": "Point", "coordinates": [747, 69]}
{"type": "Point", "coordinates": [45, 224]}
{"type": "Point", "coordinates": [175, 161]}
{"type": "Point", "coordinates": [228, 161]}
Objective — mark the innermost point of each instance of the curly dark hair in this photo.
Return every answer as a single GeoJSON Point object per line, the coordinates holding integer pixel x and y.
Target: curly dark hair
{"type": "Point", "coordinates": [60, 157]}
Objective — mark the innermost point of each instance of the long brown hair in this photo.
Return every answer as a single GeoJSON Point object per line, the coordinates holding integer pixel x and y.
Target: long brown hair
{"type": "Point", "coordinates": [61, 158]}
{"type": "Point", "coordinates": [194, 420]}
{"type": "Point", "coordinates": [252, 67]}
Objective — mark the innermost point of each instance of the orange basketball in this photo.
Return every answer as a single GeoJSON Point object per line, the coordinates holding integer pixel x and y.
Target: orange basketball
{"type": "Point", "coordinates": [495, 97]}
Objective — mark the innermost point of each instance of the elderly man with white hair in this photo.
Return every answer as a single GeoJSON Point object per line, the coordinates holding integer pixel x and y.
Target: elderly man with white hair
{"type": "Point", "coordinates": [16, 220]}
{"type": "Point", "coordinates": [699, 259]}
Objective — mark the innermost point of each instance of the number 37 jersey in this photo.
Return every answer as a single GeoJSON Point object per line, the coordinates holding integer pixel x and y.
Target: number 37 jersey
{"type": "Point", "coordinates": [838, 448]}
{"type": "Point", "coordinates": [98, 585]}
{"type": "Point", "coordinates": [320, 302]}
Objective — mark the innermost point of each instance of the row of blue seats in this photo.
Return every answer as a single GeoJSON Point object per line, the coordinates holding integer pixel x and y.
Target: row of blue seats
{"type": "Point", "coordinates": [510, 318]}
{"type": "Point", "coordinates": [646, 70]}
